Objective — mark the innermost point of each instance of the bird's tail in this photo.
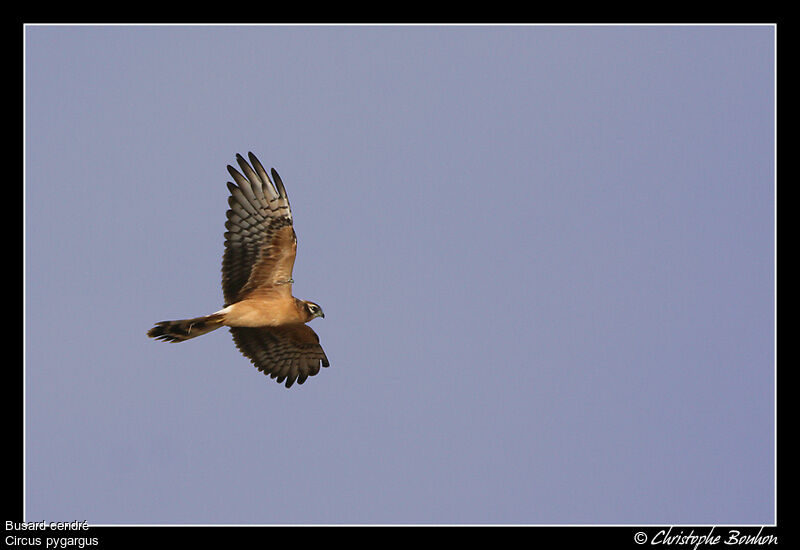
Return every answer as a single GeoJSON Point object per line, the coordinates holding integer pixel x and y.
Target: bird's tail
{"type": "Point", "coordinates": [178, 331]}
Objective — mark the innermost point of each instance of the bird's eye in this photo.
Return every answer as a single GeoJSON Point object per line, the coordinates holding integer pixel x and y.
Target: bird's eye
{"type": "Point", "coordinates": [312, 308]}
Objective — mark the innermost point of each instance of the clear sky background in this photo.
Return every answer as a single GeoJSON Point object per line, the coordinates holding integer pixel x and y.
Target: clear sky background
{"type": "Point", "coordinates": [545, 255]}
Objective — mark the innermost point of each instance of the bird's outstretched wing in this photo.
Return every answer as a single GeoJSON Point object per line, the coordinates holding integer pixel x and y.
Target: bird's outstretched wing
{"type": "Point", "coordinates": [287, 353]}
{"type": "Point", "coordinates": [260, 243]}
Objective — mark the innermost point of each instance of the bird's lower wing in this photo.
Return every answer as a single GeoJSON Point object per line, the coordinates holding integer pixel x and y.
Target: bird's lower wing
{"type": "Point", "coordinates": [286, 353]}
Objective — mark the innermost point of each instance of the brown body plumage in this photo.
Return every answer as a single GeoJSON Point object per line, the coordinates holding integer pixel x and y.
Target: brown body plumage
{"type": "Point", "coordinates": [266, 321]}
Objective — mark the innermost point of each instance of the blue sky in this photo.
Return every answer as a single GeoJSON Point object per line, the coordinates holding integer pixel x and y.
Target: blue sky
{"type": "Point", "coordinates": [545, 255]}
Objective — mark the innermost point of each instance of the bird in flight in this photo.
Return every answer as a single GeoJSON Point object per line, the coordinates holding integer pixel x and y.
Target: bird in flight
{"type": "Point", "coordinates": [268, 324]}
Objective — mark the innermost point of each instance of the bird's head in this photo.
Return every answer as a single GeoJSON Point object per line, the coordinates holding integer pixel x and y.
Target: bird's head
{"type": "Point", "coordinates": [313, 310]}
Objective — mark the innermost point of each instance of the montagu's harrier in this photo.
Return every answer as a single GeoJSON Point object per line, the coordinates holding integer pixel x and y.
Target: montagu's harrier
{"type": "Point", "coordinates": [268, 324]}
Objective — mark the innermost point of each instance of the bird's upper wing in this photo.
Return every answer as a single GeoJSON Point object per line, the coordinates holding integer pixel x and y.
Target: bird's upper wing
{"type": "Point", "coordinates": [289, 352]}
{"type": "Point", "coordinates": [260, 243]}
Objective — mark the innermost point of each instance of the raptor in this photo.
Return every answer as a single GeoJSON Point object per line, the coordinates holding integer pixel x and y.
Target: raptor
{"type": "Point", "coordinates": [267, 322]}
